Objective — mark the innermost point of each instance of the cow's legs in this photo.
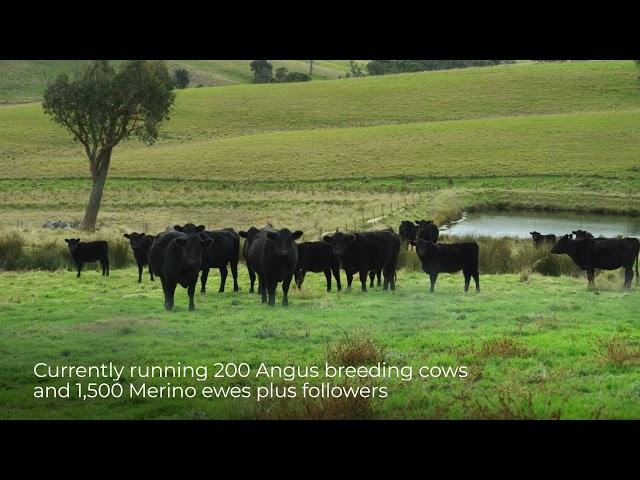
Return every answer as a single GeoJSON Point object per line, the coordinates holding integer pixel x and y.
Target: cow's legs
{"type": "Point", "coordinates": [590, 275]}
{"type": "Point", "coordinates": [252, 279]}
{"type": "Point", "coordinates": [270, 286]}
{"type": "Point", "coordinates": [327, 275]}
{"type": "Point", "coordinates": [169, 294]}
{"type": "Point", "coordinates": [164, 291]}
{"type": "Point", "coordinates": [262, 289]}
{"type": "Point", "coordinates": [628, 276]}
{"type": "Point", "coordinates": [379, 274]}
{"type": "Point", "coordinates": [363, 279]}
{"type": "Point", "coordinates": [139, 273]}
{"type": "Point", "coordinates": [191, 290]}
{"type": "Point", "coordinates": [79, 265]}
{"type": "Point", "coordinates": [349, 279]}
{"type": "Point", "coordinates": [285, 291]}
{"type": "Point", "coordinates": [234, 274]}
{"type": "Point", "coordinates": [203, 280]}
{"type": "Point", "coordinates": [223, 278]}
{"type": "Point", "coordinates": [104, 263]}
{"type": "Point", "coordinates": [433, 277]}
{"type": "Point", "coordinates": [372, 275]}
{"type": "Point", "coordinates": [151, 274]}
{"type": "Point", "coordinates": [467, 280]}
{"type": "Point", "coordinates": [336, 274]}
{"type": "Point", "coordinates": [389, 279]}
{"type": "Point", "coordinates": [476, 278]}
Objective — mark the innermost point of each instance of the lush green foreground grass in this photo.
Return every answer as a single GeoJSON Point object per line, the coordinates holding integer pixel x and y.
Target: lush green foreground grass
{"type": "Point", "coordinates": [545, 348]}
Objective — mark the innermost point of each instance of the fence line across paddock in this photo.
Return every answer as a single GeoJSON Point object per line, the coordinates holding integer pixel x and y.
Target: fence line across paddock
{"type": "Point", "coordinates": [359, 222]}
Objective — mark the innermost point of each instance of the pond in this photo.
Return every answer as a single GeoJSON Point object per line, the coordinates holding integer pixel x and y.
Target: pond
{"type": "Point", "coordinates": [520, 223]}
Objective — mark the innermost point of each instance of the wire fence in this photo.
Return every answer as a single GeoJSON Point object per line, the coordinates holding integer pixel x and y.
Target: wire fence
{"type": "Point", "coordinates": [364, 218]}
{"type": "Point", "coordinates": [377, 214]}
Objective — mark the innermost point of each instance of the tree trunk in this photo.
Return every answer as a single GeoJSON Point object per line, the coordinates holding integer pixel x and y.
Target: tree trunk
{"type": "Point", "coordinates": [99, 179]}
{"type": "Point", "coordinates": [310, 67]}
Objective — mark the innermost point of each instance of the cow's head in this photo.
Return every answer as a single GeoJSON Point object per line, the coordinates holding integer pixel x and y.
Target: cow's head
{"type": "Point", "coordinates": [283, 240]}
{"type": "Point", "coordinates": [407, 230]}
{"type": "Point", "coordinates": [424, 248]}
{"type": "Point", "coordinates": [191, 246]}
{"type": "Point", "coordinates": [582, 234]}
{"type": "Point", "coordinates": [299, 276]}
{"type": "Point", "coordinates": [562, 245]}
{"type": "Point", "coordinates": [73, 243]}
{"type": "Point", "coordinates": [189, 228]}
{"type": "Point", "coordinates": [535, 235]}
{"type": "Point", "coordinates": [135, 239]}
{"type": "Point", "coordinates": [340, 242]}
{"type": "Point", "coordinates": [250, 234]}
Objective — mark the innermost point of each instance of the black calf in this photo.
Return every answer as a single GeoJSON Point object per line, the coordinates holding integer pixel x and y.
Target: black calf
{"type": "Point", "coordinates": [317, 257]}
{"type": "Point", "coordinates": [140, 245]}
{"type": "Point", "coordinates": [449, 258]}
{"type": "Point", "coordinates": [82, 252]}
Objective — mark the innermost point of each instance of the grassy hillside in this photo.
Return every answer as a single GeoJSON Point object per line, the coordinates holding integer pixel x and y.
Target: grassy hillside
{"type": "Point", "coordinates": [605, 143]}
{"type": "Point", "coordinates": [541, 349]}
{"type": "Point", "coordinates": [24, 80]}
{"type": "Point", "coordinates": [568, 131]}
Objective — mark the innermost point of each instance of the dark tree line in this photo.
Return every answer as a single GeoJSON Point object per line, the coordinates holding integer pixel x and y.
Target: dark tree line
{"type": "Point", "coordinates": [181, 78]}
{"type": "Point", "coordinates": [384, 67]}
{"type": "Point", "coordinates": [263, 73]}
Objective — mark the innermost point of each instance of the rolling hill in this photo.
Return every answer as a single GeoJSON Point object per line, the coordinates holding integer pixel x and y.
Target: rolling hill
{"type": "Point", "coordinates": [24, 80]}
{"type": "Point", "coordinates": [562, 128]}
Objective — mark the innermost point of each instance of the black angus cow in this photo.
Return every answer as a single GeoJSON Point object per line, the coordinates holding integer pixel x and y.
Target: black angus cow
{"type": "Point", "coordinates": [140, 244]}
{"type": "Point", "coordinates": [539, 239]}
{"type": "Point", "coordinates": [249, 236]}
{"type": "Point", "coordinates": [176, 257]}
{"type": "Point", "coordinates": [317, 257]}
{"type": "Point", "coordinates": [273, 256]}
{"type": "Point", "coordinates": [365, 252]}
{"type": "Point", "coordinates": [582, 234]}
{"type": "Point", "coordinates": [223, 251]}
{"type": "Point", "coordinates": [427, 230]}
{"type": "Point", "coordinates": [408, 231]}
{"type": "Point", "coordinates": [449, 258]}
{"type": "Point", "coordinates": [83, 252]}
{"type": "Point", "coordinates": [604, 253]}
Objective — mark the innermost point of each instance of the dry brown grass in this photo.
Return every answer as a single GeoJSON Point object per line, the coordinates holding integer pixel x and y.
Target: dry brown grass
{"type": "Point", "coordinates": [503, 347]}
{"type": "Point", "coordinates": [618, 351]}
{"type": "Point", "coordinates": [511, 403]}
{"type": "Point", "coordinates": [355, 348]}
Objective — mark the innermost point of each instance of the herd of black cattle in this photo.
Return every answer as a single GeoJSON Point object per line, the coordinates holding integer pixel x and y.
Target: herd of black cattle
{"type": "Point", "coordinates": [272, 255]}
